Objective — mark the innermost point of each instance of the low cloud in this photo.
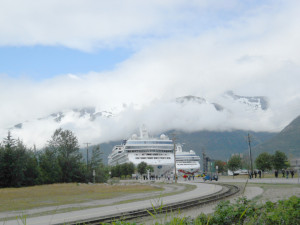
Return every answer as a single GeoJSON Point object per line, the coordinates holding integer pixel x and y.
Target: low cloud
{"type": "Point", "coordinates": [254, 55]}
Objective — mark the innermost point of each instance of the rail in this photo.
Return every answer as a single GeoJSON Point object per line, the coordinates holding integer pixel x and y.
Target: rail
{"type": "Point", "coordinates": [226, 191]}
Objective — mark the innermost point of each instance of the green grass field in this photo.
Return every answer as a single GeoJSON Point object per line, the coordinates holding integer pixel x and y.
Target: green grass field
{"type": "Point", "coordinates": [59, 194]}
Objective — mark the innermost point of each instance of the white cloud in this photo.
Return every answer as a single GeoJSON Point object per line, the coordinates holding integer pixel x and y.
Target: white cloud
{"type": "Point", "coordinates": [253, 54]}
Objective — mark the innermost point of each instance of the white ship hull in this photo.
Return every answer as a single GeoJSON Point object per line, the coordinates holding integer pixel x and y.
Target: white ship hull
{"type": "Point", "coordinates": [187, 169]}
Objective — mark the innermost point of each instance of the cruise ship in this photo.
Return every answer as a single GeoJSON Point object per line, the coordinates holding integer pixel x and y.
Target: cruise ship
{"type": "Point", "coordinates": [187, 163]}
{"type": "Point", "coordinates": [157, 152]}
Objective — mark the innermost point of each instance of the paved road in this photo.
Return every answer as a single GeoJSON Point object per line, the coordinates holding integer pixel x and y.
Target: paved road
{"type": "Point", "coordinates": [201, 190]}
{"type": "Point", "coordinates": [261, 180]}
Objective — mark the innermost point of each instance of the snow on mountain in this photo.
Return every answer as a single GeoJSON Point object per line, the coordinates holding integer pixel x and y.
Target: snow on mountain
{"type": "Point", "coordinates": [194, 99]}
{"type": "Point", "coordinates": [254, 103]}
{"type": "Point", "coordinates": [89, 114]}
{"type": "Point", "coordinates": [187, 113]}
{"type": "Point", "coordinates": [248, 103]}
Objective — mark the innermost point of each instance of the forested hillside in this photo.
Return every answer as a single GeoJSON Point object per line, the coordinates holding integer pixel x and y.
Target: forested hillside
{"type": "Point", "coordinates": [287, 141]}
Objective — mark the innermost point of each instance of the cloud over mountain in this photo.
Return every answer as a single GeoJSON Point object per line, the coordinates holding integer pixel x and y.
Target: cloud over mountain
{"type": "Point", "coordinates": [195, 48]}
{"type": "Point", "coordinates": [187, 113]}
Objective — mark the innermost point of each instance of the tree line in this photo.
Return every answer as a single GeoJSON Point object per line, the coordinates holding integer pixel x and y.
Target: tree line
{"type": "Point", "coordinates": [263, 162]}
{"type": "Point", "coordinates": [126, 170]}
{"type": "Point", "coordinates": [58, 162]}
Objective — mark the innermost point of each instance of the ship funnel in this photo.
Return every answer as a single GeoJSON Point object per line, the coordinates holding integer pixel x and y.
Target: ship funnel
{"type": "Point", "coordinates": [144, 132]}
{"type": "Point", "coordinates": [178, 148]}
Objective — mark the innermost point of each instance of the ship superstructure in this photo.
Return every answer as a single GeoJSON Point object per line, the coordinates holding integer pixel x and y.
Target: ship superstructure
{"type": "Point", "coordinates": [157, 152]}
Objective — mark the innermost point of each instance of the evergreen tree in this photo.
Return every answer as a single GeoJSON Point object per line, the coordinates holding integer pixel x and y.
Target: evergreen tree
{"type": "Point", "coordinates": [65, 144]}
{"type": "Point", "coordinates": [49, 166]}
{"type": "Point", "coordinates": [32, 174]}
{"type": "Point", "coordinates": [96, 164]}
{"type": "Point", "coordinates": [18, 165]}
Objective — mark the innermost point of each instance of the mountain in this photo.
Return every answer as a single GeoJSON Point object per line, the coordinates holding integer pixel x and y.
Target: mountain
{"type": "Point", "coordinates": [257, 102]}
{"type": "Point", "coordinates": [287, 141]}
{"type": "Point", "coordinates": [217, 145]}
{"type": "Point", "coordinates": [87, 113]}
{"type": "Point", "coordinates": [228, 111]}
{"type": "Point", "coordinates": [91, 113]}
{"type": "Point", "coordinates": [221, 145]}
{"type": "Point", "coordinates": [253, 103]}
{"type": "Point", "coordinates": [198, 100]}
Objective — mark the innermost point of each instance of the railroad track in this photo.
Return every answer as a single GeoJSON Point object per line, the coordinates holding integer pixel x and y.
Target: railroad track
{"type": "Point", "coordinates": [226, 191]}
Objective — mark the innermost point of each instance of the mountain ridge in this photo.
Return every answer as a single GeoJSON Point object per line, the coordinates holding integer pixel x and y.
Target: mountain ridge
{"type": "Point", "coordinates": [287, 140]}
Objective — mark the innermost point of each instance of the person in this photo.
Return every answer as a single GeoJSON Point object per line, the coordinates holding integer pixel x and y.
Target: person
{"type": "Point", "coordinates": [283, 173]}
{"type": "Point", "coordinates": [255, 173]}
{"type": "Point", "coordinates": [287, 174]}
{"type": "Point", "coordinates": [292, 173]}
{"type": "Point", "coordinates": [276, 173]}
{"type": "Point", "coordinates": [259, 173]}
{"type": "Point", "coordinates": [250, 174]}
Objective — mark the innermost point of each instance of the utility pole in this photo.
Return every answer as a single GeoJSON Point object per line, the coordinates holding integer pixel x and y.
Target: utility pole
{"type": "Point", "coordinates": [87, 153]}
{"type": "Point", "coordinates": [204, 160]}
{"type": "Point", "coordinates": [250, 154]}
{"type": "Point", "coordinates": [175, 157]}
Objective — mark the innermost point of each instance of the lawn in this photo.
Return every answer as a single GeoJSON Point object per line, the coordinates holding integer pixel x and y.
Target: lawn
{"type": "Point", "coordinates": [60, 194]}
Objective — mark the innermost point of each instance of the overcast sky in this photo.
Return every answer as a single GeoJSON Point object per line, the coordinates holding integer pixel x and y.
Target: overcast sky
{"type": "Point", "coordinates": [59, 55]}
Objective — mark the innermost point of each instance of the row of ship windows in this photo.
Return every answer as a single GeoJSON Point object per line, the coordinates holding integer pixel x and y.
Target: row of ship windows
{"type": "Point", "coordinates": [152, 154]}
{"type": "Point", "coordinates": [185, 159]}
{"type": "Point", "coordinates": [150, 142]}
{"type": "Point", "coordinates": [149, 147]}
{"type": "Point", "coordinates": [157, 150]}
{"type": "Point", "coordinates": [152, 157]}
{"type": "Point", "coordinates": [181, 164]}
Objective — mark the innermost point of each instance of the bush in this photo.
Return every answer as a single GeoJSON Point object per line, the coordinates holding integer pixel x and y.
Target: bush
{"type": "Point", "coordinates": [246, 212]}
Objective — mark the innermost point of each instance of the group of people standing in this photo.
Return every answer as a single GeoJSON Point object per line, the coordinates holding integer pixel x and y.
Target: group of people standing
{"type": "Point", "coordinates": [255, 173]}
{"type": "Point", "coordinates": [285, 173]}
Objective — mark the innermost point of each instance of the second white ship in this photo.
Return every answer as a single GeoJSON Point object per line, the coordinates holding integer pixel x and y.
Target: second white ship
{"type": "Point", "coordinates": [187, 163]}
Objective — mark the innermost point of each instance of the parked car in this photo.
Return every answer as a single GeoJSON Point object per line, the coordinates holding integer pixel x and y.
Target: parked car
{"type": "Point", "coordinates": [211, 178]}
